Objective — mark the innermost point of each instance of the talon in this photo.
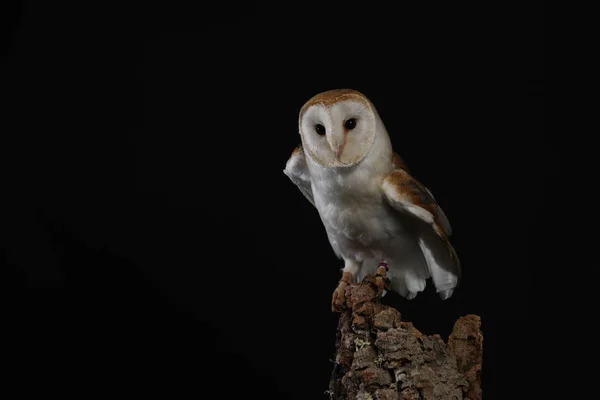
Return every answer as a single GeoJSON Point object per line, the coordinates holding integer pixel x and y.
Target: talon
{"type": "Point", "coordinates": [381, 280]}
{"type": "Point", "coordinates": [338, 302]}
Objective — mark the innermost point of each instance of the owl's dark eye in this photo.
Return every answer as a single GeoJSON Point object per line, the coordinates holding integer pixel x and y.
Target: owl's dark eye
{"type": "Point", "coordinates": [350, 124]}
{"type": "Point", "coordinates": [320, 129]}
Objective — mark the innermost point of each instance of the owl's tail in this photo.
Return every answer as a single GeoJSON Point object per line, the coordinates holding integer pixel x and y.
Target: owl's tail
{"type": "Point", "coordinates": [442, 262]}
{"type": "Point", "coordinates": [431, 257]}
{"type": "Point", "coordinates": [408, 274]}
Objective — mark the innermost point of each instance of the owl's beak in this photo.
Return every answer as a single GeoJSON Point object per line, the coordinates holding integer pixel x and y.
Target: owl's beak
{"type": "Point", "coordinates": [337, 141]}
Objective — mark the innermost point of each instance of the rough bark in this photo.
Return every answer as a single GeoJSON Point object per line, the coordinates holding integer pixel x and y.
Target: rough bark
{"type": "Point", "coordinates": [380, 357]}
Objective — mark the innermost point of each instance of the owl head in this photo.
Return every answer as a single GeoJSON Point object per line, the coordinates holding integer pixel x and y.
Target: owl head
{"type": "Point", "coordinates": [338, 127]}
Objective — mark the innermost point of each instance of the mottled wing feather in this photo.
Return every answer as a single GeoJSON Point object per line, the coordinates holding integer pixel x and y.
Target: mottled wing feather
{"type": "Point", "coordinates": [405, 193]}
{"type": "Point", "coordinates": [413, 192]}
{"type": "Point", "coordinates": [297, 171]}
{"type": "Point", "coordinates": [442, 219]}
{"type": "Point", "coordinates": [449, 247]}
{"type": "Point", "coordinates": [399, 163]}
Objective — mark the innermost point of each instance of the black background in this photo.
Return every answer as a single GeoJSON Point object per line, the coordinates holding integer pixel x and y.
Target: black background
{"type": "Point", "coordinates": [154, 244]}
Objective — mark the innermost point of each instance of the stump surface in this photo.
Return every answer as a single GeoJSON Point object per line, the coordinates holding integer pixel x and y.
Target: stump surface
{"type": "Point", "coordinates": [381, 357]}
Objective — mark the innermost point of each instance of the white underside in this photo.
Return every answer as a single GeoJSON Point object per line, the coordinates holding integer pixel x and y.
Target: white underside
{"type": "Point", "coordinates": [369, 231]}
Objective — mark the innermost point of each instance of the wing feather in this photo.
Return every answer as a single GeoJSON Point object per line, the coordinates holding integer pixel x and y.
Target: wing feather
{"type": "Point", "coordinates": [398, 162]}
{"type": "Point", "coordinates": [406, 194]}
{"type": "Point", "coordinates": [297, 171]}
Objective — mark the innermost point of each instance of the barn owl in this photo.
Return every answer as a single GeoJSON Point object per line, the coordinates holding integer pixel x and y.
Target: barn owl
{"type": "Point", "coordinates": [379, 219]}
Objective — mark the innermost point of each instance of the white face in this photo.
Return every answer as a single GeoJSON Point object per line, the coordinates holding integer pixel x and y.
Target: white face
{"type": "Point", "coordinates": [340, 135]}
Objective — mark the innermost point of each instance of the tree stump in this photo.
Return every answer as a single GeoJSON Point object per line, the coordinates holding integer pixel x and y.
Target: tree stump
{"type": "Point", "coordinates": [380, 357]}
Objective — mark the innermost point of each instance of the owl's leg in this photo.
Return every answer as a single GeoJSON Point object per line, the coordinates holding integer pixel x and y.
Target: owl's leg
{"type": "Point", "coordinates": [381, 279]}
{"type": "Point", "coordinates": [349, 272]}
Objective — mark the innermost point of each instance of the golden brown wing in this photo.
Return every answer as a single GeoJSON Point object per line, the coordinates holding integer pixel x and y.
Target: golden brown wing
{"type": "Point", "coordinates": [399, 162]}
{"type": "Point", "coordinates": [407, 194]}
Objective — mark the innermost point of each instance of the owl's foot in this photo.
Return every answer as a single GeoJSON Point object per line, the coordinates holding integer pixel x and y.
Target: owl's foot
{"type": "Point", "coordinates": [338, 302]}
{"type": "Point", "coordinates": [381, 279]}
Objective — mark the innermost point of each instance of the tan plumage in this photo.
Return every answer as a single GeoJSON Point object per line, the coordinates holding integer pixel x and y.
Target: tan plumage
{"type": "Point", "coordinates": [372, 208]}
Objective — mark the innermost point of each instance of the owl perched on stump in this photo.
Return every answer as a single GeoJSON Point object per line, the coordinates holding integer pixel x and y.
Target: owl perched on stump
{"type": "Point", "coordinates": [379, 219]}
